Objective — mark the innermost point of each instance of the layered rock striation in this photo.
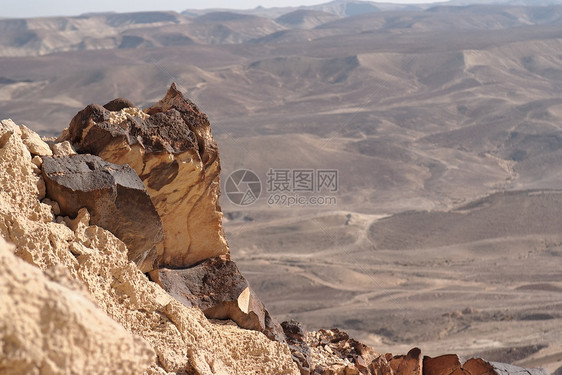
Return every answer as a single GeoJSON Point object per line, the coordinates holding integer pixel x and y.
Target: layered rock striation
{"type": "Point", "coordinates": [171, 148]}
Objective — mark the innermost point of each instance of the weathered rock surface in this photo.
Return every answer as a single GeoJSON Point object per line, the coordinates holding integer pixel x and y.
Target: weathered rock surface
{"type": "Point", "coordinates": [34, 143]}
{"type": "Point", "coordinates": [335, 353]}
{"type": "Point", "coordinates": [171, 148]}
{"type": "Point", "coordinates": [182, 338]}
{"type": "Point", "coordinates": [46, 327]}
{"type": "Point", "coordinates": [507, 369]}
{"type": "Point", "coordinates": [410, 364]}
{"type": "Point", "coordinates": [115, 198]}
{"type": "Point", "coordinates": [218, 288]}
{"type": "Point", "coordinates": [295, 336]}
{"type": "Point", "coordinates": [443, 365]}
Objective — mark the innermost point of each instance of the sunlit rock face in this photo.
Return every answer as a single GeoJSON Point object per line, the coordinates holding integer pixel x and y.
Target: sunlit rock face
{"type": "Point", "coordinates": [171, 148]}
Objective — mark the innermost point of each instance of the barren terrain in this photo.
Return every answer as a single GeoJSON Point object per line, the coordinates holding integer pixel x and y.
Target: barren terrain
{"type": "Point", "coordinates": [444, 124]}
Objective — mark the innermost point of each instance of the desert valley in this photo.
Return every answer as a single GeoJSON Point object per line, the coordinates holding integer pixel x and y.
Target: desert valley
{"type": "Point", "coordinates": [442, 123]}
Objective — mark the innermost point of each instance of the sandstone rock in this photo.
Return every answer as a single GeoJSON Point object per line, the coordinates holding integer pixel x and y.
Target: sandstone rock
{"type": "Point", "coordinates": [395, 362]}
{"type": "Point", "coordinates": [478, 366]}
{"type": "Point", "coordinates": [115, 198]}
{"type": "Point", "coordinates": [411, 364]}
{"type": "Point", "coordinates": [217, 287]}
{"type": "Point", "coordinates": [183, 339]}
{"type": "Point", "coordinates": [34, 143]}
{"type": "Point", "coordinates": [171, 148]}
{"type": "Point", "coordinates": [47, 328]}
{"type": "Point", "coordinates": [442, 365]}
{"type": "Point", "coordinates": [62, 149]}
{"type": "Point", "coordinates": [8, 126]}
{"type": "Point", "coordinates": [295, 336]}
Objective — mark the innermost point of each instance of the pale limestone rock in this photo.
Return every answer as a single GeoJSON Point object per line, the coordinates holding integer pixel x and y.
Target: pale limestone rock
{"type": "Point", "coordinates": [8, 126]}
{"type": "Point", "coordinates": [46, 327]}
{"type": "Point", "coordinates": [34, 143]}
{"type": "Point", "coordinates": [62, 149]}
{"type": "Point", "coordinates": [171, 148]}
{"type": "Point", "coordinates": [183, 339]}
{"type": "Point", "coordinates": [37, 161]}
{"type": "Point", "coordinates": [55, 208]}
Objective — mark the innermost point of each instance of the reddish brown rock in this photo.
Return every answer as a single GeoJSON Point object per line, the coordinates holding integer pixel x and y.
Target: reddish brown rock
{"type": "Point", "coordinates": [380, 366]}
{"type": "Point", "coordinates": [334, 352]}
{"type": "Point", "coordinates": [115, 197]}
{"type": "Point", "coordinates": [478, 366]}
{"type": "Point", "coordinates": [442, 365]}
{"type": "Point", "coordinates": [218, 288]}
{"type": "Point", "coordinates": [171, 148]}
{"type": "Point", "coordinates": [411, 364]}
{"type": "Point", "coordinates": [395, 362]}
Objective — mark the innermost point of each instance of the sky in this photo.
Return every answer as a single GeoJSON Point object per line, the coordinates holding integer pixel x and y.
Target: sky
{"type": "Point", "coordinates": [43, 8]}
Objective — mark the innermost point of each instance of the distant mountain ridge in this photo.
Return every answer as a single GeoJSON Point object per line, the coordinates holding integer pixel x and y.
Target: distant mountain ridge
{"type": "Point", "coordinates": [107, 31]}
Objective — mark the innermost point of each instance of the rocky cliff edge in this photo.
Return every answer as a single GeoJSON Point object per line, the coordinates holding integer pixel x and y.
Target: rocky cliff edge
{"type": "Point", "coordinates": [113, 260]}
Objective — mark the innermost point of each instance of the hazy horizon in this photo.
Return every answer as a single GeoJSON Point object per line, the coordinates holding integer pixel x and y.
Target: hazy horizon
{"type": "Point", "coordinates": [36, 8]}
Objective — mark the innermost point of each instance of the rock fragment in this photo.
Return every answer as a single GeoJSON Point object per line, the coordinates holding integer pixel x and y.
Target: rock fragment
{"type": "Point", "coordinates": [448, 364]}
{"type": "Point", "coordinates": [115, 198]}
{"type": "Point", "coordinates": [334, 352]}
{"type": "Point", "coordinates": [218, 288]}
{"type": "Point", "coordinates": [295, 336]}
{"type": "Point", "coordinates": [410, 364]}
{"type": "Point", "coordinates": [34, 143]}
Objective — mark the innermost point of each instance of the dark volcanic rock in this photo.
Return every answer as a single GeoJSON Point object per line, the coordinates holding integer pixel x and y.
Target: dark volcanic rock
{"type": "Point", "coordinates": [115, 197]}
{"type": "Point", "coordinates": [118, 104]}
{"type": "Point", "coordinates": [295, 335]}
{"type": "Point", "coordinates": [218, 288]}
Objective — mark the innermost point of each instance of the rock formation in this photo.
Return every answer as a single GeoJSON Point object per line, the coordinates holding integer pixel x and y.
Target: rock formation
{"type": "Point", "coordinates": [182, 338]}
{"type": "Point", "coordinates": [296, 339]}
{"type": "Point", "coordinates": [217, 287]}
{"type": "Point", "coordinates": [115, 198]}
{"type": "Point", "coordinates": [78, 301]}
{"type": "Point", "coordinates": [171, 148]}
{"type": "Point", "coordinates": [42, 320]}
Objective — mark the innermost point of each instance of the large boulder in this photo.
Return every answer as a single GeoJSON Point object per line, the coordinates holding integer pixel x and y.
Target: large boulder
{"type": "Point", "coordinates": [171, 148]}
{"type": "Point", "coordinates": [115, 197]}
{"type": "Point", "coordinates": [217, 287]}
